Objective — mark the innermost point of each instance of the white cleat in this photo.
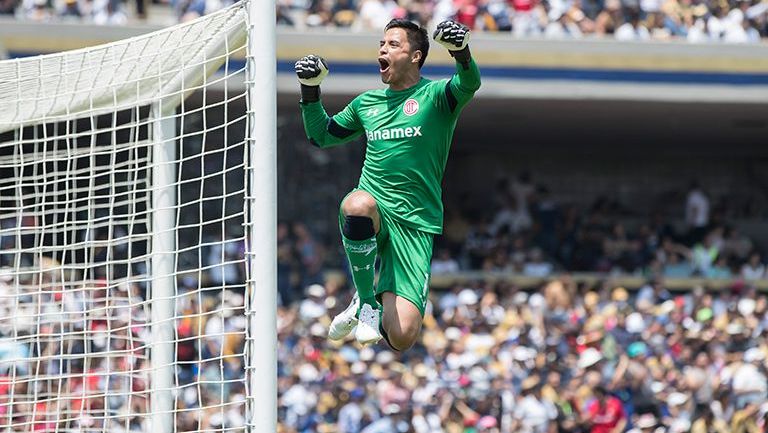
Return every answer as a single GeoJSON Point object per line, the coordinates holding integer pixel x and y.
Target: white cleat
{"type": "Point", "coordinates": [345, 321]}
{"type": "Point", "coordinates": [367, 331]}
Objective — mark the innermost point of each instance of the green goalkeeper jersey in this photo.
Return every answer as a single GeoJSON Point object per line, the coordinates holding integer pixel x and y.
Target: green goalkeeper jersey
{"type": "Point", "coordinates": [409, 134]}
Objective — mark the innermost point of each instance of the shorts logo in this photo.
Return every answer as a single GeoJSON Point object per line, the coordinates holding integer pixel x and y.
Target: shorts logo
{"type": "Point", "coordinates": [410, 107]}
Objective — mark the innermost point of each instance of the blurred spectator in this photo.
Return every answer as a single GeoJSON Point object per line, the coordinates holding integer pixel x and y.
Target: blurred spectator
{"type": "Point", "coordinates": [443, 263]}
{"type": "Point", "coordinates": [394, 420]}
{"type": "Point", "coordinates": [709, 423]}
{"type": "Point", "coordinates": [719, 270]}
{"type": "Point", "coordinates": [375, 14]}
{"type": "Point", "coordinates": [754, 269]}
{"type": "Point", "coordinates": [351, 415]}
{"type": "Point", "coordinates": [8, 7]}
{"type": "Point", "coordinates": [609, 19]}
{"type": "Point", "coordinates": [632, 29]}
{"type": "Point", "coordinates": [749, 382]}
{"type": "Point", "coordinates": [286, 267]}
{"type": "Point", "coordinates": [479, 244]}
{"type": "Point", "coordinates": [562, 26]}
{"type": "Point", "coordinates": [36, 10]}
{"type": "Point", "coordinates": [508, 218]}
{"type": "Point", "coordinates": [224, 259]}
{"type": "Point", "coordinates": [536, 266]}
{"type": "Point", "coordinates": [109, 12]}
{"type": "Point", "coordinates": [309, 252]}
{"type": "Point", "coordinates": [696, 211]}
{"type": "Point", "coordinates": [705, 253]}
{"type": "Point", "coordinates": [523, 189]}
{"type": "Point", "coordinates": [605, 413]}
{"type": "Point", "coordinates": [313, 307]}
{"type": "Point", "coordinates": [532, 414]}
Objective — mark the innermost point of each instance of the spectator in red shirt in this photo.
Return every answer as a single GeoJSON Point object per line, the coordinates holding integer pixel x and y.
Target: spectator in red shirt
{"type": "Point", "coordinates": [466, 12]}
{"type": "Point", "coordinates": [605, 414]}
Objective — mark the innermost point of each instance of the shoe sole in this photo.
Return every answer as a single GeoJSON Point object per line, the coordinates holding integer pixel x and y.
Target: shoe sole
{"type": "Point", "coordinates": [366, 335]}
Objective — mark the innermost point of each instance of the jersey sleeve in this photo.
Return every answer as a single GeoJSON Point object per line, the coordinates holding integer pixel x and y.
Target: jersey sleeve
{"type": "Point", "coordinates": [456, 92]}
{"type": "Point", "coordinates": [324, 131]}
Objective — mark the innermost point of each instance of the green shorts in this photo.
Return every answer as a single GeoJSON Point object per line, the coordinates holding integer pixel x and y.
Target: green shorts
{"type": "Point", "coordinates": [406, 257]}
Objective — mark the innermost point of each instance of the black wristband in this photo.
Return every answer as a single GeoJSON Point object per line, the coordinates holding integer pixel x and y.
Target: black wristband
{"type": "Point", "coordinates": [462, 56]}
{"type": "Point", "coordinates": [310, 93]}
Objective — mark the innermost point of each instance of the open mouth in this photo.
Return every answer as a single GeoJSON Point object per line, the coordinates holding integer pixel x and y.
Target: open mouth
{"type": "Point", "coordinates": [383, 65]}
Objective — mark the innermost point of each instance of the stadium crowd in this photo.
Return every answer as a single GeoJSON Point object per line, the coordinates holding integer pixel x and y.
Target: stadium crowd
{"type": "Point", "coordinates": [528, 231]}
{"type": "Point", "coordinates": [560, 357]}
{"type": "Point", "coordinates": [732, 21]}
{"type": "Point", "coordinates": [566, 358]}
{"type": "Point", "coordinates": [735, 21]}
{"type": "Point", "coordinates": [569, 357]}
{"type": "Point", "coordinates": [74, 346]}
{"type": "Point", "coordinates": [525, 230]}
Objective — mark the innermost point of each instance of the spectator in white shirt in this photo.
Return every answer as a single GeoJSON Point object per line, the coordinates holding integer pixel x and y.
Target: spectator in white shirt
{"type": "Point", "coordinates": [536, 266]}
{"type": "Point", "coordinates": [508, 217]}
{"type": "Point", "coordinates": [351, 415]}
{"type": "Point", "coordinates": [314, 306]}
{"type": "Point", "coordinates": [754, 269]}
{"type": "Point", "coordinates": [749, 383]}
{"type": "Point", "coordinates": [522, 190]}
{"type": "Point", "coordinates": [741, 33]}
{"type": "Point", "coordinates": [696, 208]}
{"type": "Point", "coordinates": [632, 30]}
{"type": "Point", "coordinates": [375, 14]}
{"type": "Point", "coordinates": [561, 26]}
{"type": "Point", "coordinates": [532, 413]}
{"type": "Point", "coordinates": [444, 263]}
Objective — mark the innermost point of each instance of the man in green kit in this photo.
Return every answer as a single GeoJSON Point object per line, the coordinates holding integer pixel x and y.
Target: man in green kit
{"type": "Point", "coordinates": [397, 207]}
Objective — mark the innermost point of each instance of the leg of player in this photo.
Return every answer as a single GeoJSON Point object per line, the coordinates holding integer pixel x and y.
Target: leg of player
{"type": "Point", "coordinates": [401, 321]}
{"type": "Point", "coordinates": [359, 225]}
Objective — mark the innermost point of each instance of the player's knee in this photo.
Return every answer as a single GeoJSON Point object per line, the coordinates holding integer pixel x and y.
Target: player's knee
{"type": "Point", "coordinates": [357, 228]}
{"type": "Point", "coordinates": [359, 204]}
{"type": "Point", "coordinates": [404, 336]}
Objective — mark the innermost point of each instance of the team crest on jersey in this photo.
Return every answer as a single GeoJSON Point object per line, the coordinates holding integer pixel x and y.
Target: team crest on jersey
{"type": "Point", "coordinates": [410, 107]}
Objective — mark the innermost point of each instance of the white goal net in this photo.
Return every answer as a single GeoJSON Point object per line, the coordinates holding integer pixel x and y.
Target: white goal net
{"type": "Point", "coordinates": [122, 245]}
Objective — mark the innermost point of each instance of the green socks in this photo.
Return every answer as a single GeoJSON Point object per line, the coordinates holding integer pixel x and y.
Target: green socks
{"type": "Point", "coordinates": [362, 263]}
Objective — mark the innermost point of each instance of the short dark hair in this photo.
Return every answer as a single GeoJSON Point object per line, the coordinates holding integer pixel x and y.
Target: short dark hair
{"type": "Point", "coordinates": [417, 36]}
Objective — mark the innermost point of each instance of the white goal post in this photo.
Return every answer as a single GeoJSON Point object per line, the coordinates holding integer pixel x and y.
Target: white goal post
{"type": "Point", "coordinates": [137, 232]}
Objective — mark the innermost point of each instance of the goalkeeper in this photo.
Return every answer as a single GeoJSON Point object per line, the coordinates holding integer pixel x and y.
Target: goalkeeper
{"type": "Point", "coordinates": [397, 207]}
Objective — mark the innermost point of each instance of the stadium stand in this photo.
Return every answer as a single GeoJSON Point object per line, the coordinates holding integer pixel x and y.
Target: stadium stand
{"type": "Point", "coordinates": [730, 21]}
{"type": "Point", "coordinates": [669, 352]}
{"type": "Point", "coordinates": [663, 310]}
{"type": "Point", "coordinates": [495, 358]}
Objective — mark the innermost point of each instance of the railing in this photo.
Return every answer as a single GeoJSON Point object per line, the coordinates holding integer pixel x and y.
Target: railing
{"type": "Point", "coordinates": [445, 281]}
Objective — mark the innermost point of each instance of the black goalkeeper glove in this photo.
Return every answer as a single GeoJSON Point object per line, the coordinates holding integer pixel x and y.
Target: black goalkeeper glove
{"type": "Point", "coordinates": [455, 37]}
{"type": "Point", "coordinates": [311, 70]}
{"type": "Point", "coordinates": [452, 35]}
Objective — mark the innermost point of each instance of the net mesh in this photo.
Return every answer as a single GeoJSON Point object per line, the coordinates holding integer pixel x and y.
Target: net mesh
{"type": "Point", "coordinates": [79, 280]}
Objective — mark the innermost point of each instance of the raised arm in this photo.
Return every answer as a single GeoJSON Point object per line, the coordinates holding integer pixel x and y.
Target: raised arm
{"type": "Point", "coordinates": [465, 82]}
{"type": "Point", "coordinates": [322, 130]}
